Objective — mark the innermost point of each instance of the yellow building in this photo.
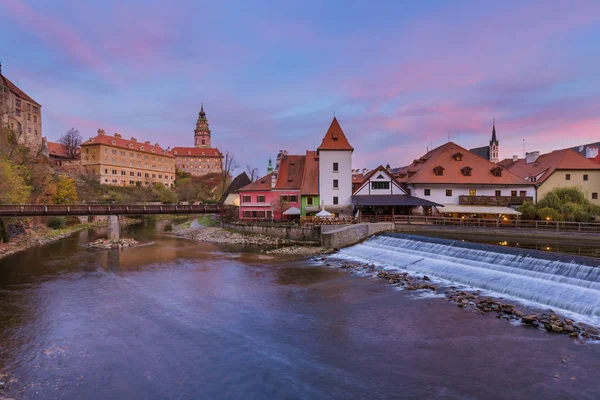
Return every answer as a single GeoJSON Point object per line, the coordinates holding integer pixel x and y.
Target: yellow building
{"type": "Point", "coordinates": [21, 114]}
{"type": "Point", "coordinates": [559, 169]}
{"type": "Point", "coordinates": [121, 162]}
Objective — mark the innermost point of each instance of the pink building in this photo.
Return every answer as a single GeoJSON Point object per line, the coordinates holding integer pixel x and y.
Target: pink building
{"type": "Point", "coordinates": [268, 197]}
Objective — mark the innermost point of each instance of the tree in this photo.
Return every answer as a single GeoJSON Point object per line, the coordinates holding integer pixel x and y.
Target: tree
{"type": "Point", "coordinates": [66, 191]}
{"type": "Point", "coordinates": [229, 165]}
{"type": "Point", "coordinates": [72, 141]}
{"type": "Point", "coordinates": [253, 173]}
{"type": "Point", "coordinates": [13, 188]}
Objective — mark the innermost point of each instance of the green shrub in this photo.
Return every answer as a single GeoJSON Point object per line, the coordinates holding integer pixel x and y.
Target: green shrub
{"type": "Point", "coordinates": [57, 222]}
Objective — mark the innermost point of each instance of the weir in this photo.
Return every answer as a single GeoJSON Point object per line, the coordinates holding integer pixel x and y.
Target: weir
{"type": "Point", "coordinates": [553, 283]}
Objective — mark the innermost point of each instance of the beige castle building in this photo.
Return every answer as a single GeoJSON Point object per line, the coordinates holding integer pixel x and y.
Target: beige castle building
{"type": "Point", "coordinates": [21, 114]}
{"type": "Point", "coordinates": [121, 162]}
{"type": "Point", "coordinates": [202, 159]}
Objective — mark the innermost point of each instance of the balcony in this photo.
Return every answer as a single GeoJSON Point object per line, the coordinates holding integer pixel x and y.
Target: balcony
{"type": "Point", "coordinates": [493, 200]}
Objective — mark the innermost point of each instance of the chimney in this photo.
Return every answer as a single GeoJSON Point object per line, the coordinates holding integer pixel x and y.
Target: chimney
{"type": "Point", "coordinates": [134, 140]}
{"type": "Point", "coordinates": [101, 132]}
{"type": "Point", "coordinates": [117, 135]}
{"type": "Point", "coordinates": [531, 157]}
{"type": "Point", "coordinates": [147, 142]}
{"type": "Point", "coordinates": [515, 158]}
{"type": "Point", "coordinates": [591, 152]}
{"type": "Point", "coordinates": [156, 144]}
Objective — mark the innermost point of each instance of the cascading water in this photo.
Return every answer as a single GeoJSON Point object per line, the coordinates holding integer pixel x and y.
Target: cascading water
{"type": "Point", "coordinates": [556, 284]}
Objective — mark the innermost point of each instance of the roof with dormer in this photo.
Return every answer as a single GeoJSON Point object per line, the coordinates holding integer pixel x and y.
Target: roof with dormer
{"type": "Point", "coordinates": [452, 160]}
{"type": "Point", "coordinates": [310, 180]}
{"type": "Point", "coordinates": [335, 139]}
{"type": "Point", "coordinates": [291, 172]}
{"type": "Point", "coordinates": [196, 152]}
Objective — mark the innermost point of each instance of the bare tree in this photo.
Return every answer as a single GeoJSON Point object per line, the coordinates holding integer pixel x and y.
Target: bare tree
{"type": "Point", "coordinates": [72, 141]}
{"type": "Point", "coordinates": [229, 165]}
{"type": "Point", "coordinates": [253, 173]}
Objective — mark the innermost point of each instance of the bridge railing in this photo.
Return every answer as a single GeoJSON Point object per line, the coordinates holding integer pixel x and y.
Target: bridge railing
{"type": "Point", "coordinates": [15, 210]}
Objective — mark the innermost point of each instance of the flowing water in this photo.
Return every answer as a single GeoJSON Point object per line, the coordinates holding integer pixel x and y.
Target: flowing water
{"type": "Point", "coordinates": [551, 281]}
{"type": "Point", "coordinates": [177, 319]}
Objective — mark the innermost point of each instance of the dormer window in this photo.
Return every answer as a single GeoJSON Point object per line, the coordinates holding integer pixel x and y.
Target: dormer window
{"type": "Point", "coordinates": [113, 142]}
{"type": "Point", "coordinates": [141, 147]}
{"type": "Point", "coordinates": [458, 156]}
{"type": "Point", "coordinates": [416, 161]}
{"type": "Point", "coordinates": [438, 171]}
{"type": "Point", "coordinates": [497, 171]}
{"type": "Point", "coordinates": [175, 152]}
{"type": "Point", "coordinates": [466, 171]}
{"type": "Point", "coordinates": [130, 146]}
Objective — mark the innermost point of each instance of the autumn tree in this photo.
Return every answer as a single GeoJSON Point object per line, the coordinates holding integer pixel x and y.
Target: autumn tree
{"type": "Point", "coordinates": [13, 188]}
{"type": "Point", "coordinates": [66, 190]}
{"type": "Point", "coordinates": [72, 141]}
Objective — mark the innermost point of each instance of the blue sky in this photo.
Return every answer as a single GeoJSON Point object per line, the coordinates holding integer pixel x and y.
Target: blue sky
{"type": "Point", "coordinates": [398, 76]}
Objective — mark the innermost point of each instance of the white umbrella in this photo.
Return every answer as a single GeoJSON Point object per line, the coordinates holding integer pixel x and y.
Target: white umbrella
{"type": "Point", "coordinates": [324, 214]}
{"type": "Point", "coordinates": [292, 211]}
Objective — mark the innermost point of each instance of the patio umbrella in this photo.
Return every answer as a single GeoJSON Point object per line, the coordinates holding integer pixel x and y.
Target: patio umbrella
{"type": "Point", "coordinates": [292, 211]}
{"type": "Point", "coordinates": [324, 214]}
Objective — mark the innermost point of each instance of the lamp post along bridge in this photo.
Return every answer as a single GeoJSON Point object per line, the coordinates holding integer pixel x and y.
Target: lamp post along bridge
{"type": "Point", "coordinates": [113, 211]}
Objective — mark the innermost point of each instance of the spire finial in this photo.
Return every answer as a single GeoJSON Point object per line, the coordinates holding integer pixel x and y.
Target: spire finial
{"type": "Point", "coordinates": [202, 106]}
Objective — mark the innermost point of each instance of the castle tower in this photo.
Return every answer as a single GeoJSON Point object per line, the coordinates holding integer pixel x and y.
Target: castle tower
{"type": "Point", "coordinates": [202, 132]}
{"type": "Point", "coordinates": [494, 145]}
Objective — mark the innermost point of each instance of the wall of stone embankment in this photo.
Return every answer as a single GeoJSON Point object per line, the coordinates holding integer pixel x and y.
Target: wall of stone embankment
{"type": "Point", "coordinates": [303, 234]}
{"type": "Point", "coordinates": [335, 237]}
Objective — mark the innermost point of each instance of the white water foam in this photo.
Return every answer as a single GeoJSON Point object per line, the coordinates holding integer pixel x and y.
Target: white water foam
{"type": "Point", "coordinates": [569, 287]}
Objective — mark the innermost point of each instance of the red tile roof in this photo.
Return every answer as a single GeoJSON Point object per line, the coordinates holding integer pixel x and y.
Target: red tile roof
{"type": "Point", "coordinates": [422, 169]}
{"type": "Point", "coordinates": [57, 150]}
{"type": "Point", "coordinates": [310, 180]}
{"type": "Point", "coordinates": [196, 152]}
{"type": "Point", "coordinates": [262, 184]}
{"type": "Point", "coordinates": [597, 159]}
{"type": "Point", "coordinates": [18, 92]}
{"type": "Point", "coordinates": [566, 159]}
{"type": "Point", "coordinates": [291, 171]}
{"type": "Point", "coordinates": [117, 141]}
{"type": "Point", "coordinates": [334, 138]}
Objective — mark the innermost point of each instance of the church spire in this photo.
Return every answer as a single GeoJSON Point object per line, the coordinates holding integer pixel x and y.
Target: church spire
{"type": "Point", "coordinates": [270, 166]}
{"type": "Point", "coordinates": [494, 139]}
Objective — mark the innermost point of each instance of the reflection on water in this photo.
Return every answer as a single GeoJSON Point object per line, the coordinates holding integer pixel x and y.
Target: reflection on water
{"type": "Point", "coordinates": [182, 320]}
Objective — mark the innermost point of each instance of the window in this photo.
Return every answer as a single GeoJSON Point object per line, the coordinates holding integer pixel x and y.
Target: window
{"type": "Point", "coordinates": [254, 214]}
{"type": "Point", "coordinates": [260, 199]}
{"type": "Point", "coordinates": [497, 171]}
{"type": "Point", "coordinates": [467, 171]}
{"type": "Point", "coordinates": [594, 196]}
{"type": "Point", "coordinates": [438, 171]}
{"type": "Point", "coordinates": [335, 167]}
{"type": "Point", "coordinates": [335, 184]}
{"type": "Point", "coordinates": [269, 214]}
{"type": "Point", "coordinates": [568, 177]}
{"type": "Point", "coordinates": [132, 173]}
{"type": "Point", "coordinates": [18, 112]}
{"type": "Point", "coordinates": [154, 175]}
{"type": "Point", "coordinates": [458, 157]}
{"type": "Point", "coordinates": [513, 193]}
{"type": "Point", "coordinates": [139, 174]}
{"type": "Point", "coordinates": [114, 171]}
{"type": "Point", "coordinates": [246, 214]}
{"type": "Point", "coordinates": [498, 193]}
{"type": "Point", "coordinates": [113, 152]}
{"type": "Point", "coordinates": [261, 214]}
{"type": "Point", "coordinates": [380, 185]}
{"type": "Point", "coordinates": [146, 175]}
{"type": "Point", "coordinates": [35, 110]}
{"type": "Point", "coordinates": [472, 192]}
{"type": "Point", "coordinates": [28, 130]}
{"type": "Point", "coordinates": [106, 171]}
{"type": "Point", "coordinates": [284, 197]}
{"type": "Point", "coordinates": [17, 103]}
{"type": "Point", "coordinates": [309, 201]}
{"type": "Point", "coordinates": [335, 200]}
{"type": "Point", "coordinates": [123, 173]}
{"type": "Point", "coordinates": [246, 199]}
{"type": "Point", "coordinates": [523, 193]}
{"type": "Point", "coordinates": [585, 177]}
{"type": "Point", "coordinates": [448, 192]}
{"type": "Point", "coordinates": [35, 119]}
{"type": "Point", "coordinates": [293, 198]}
{"type": "Point", "coordinates": [427, 192]}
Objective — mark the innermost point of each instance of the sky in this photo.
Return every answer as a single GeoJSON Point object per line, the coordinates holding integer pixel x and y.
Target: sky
{"type": "Point", "coordinates": [399, 76]}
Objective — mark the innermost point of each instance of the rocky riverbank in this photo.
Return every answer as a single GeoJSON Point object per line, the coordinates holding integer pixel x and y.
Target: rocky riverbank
{"type": "Point", "coordinates": [476, 302]}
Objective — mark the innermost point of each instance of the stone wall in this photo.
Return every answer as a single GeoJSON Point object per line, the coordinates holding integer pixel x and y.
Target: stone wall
{"type": "Point", "coordinates": [289, 232]}
{"type": "Point", "coordinates": [336, 237]}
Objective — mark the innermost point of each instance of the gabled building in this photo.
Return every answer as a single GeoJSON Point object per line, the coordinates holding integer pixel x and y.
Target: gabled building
{"type": "Point", "coordinates": [560, 168]}
{"type": "Point", "coordinates": [490, 152]}
{"type": "Point", "coordinates": [335, 171]}
{"type": "Point", "coordinates": [309, 193]}
{"type": "Point", "coordinates": [382, 194]}
{"type": "Point", "coordinates": [202, 159]}
{"type": "Point", "coordinates": [465, 183]}
{"type": "Point", "coordinates": [270, 196]}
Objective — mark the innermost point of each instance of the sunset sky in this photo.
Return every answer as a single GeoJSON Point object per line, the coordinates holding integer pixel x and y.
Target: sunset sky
{"type": "Point", "coordinates": [398, 75]}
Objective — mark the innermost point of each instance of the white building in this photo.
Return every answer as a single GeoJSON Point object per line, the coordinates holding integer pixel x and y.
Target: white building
{"type": "Point", "coordinates": [335, 171]}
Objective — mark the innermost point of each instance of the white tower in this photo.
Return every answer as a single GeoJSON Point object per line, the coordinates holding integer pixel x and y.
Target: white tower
{"type": "Point", "coordinates": [335, 171]}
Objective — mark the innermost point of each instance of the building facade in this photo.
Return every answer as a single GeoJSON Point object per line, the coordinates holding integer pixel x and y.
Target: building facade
{"type": "Point", "coordinates": [335, 171]}
{"type": "Point", "coordinates": [121, 162]}
{"type": "Point", "coordinates": [465, 183]}
{"type": "Point", "coordinates": [202, 159]}
{"type": "Point", "coordinates": [309, 193]}
{"type": "Point", "coordinates": [560, 169]}
{"type": "Point", "coordinates": [21, 114]}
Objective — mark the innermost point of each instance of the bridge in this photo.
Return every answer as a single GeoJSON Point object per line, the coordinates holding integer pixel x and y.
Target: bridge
{"type": "Point", "coordinates": [111, 210]}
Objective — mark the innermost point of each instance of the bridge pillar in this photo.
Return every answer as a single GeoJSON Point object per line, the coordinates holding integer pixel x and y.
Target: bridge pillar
{"type": "Point", "coordinates": [114, 229]}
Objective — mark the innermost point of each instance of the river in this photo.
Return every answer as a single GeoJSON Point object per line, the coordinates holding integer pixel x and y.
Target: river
{"type": "Point", "coordinates": [177, 319]}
